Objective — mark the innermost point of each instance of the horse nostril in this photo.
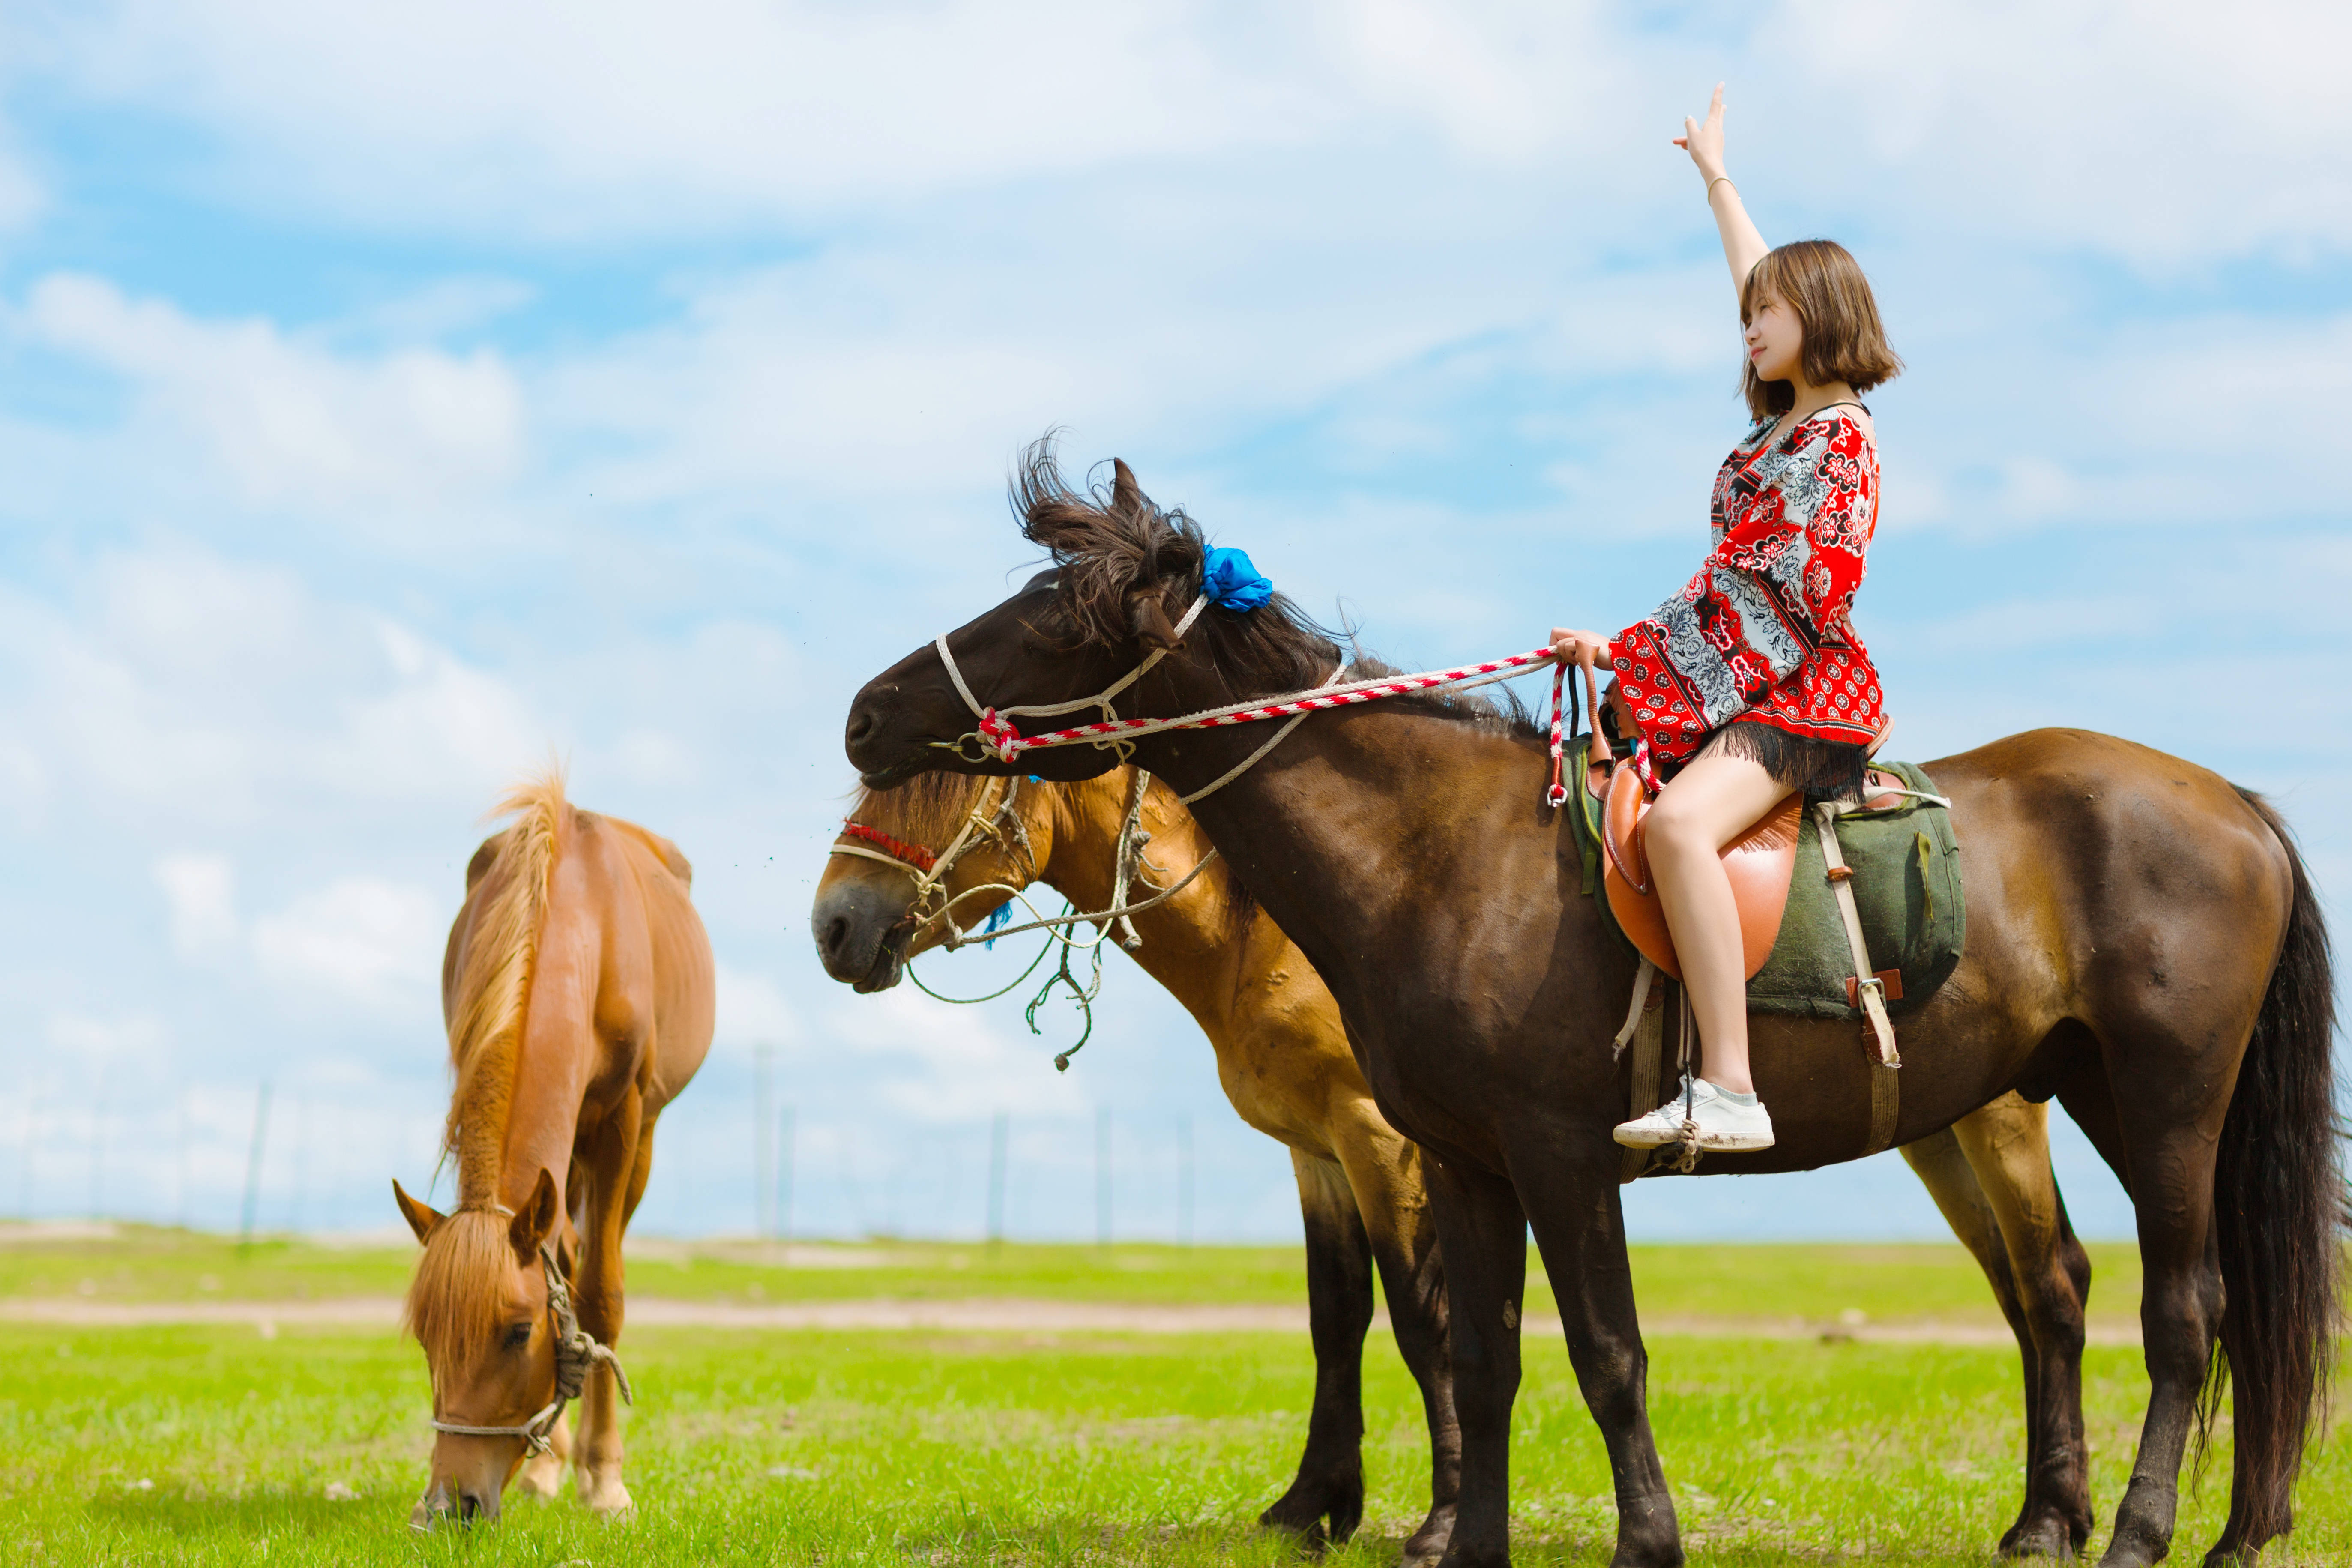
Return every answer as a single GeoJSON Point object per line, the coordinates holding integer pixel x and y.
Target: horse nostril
{"type": "Point", "coordinates": [834, 939]}
{"type": "Point", "coordinates": [469, 1507]}
{"type": "Point", "coordinates": [861, 724]}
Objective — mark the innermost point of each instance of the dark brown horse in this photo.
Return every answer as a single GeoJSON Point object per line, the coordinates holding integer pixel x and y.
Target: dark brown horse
{"type": "Point", "coordinates": [2143, 944]}
{"type": "Point", "coordinates": [1284, 1062]}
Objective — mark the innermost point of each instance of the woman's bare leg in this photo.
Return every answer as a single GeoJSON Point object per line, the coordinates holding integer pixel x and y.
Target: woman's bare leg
{"type": "Point", "coordinates": [1711, 802]}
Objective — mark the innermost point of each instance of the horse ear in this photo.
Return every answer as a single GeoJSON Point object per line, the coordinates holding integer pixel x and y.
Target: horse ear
{"type": "Point", "coordinates": [1126, 495]}
{"type": "Point", "coordinates": [1149, 619]}
{"type": "Point", "coordinates": [537, 1219]}
{"type": "Point", "coordinates": [421, 1217]}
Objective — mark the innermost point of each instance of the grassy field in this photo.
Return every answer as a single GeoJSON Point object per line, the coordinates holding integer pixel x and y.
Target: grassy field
{"type": "Point", "coordinates": [1886, 1283]}
{"type": "Point", "coordinates": [220, 1445]}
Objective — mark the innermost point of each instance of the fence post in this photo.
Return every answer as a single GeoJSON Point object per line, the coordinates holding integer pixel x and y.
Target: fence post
{"type": "Point", "coordinates": [998, 1136]}
{"type": "Point", "coordinates": [1102, 1178]}
{"type": "Point", "coordinates": [253, 1169]}
{"type": "Point", "coordinates": [1184, 1181]}
{"type": "Point", "coordinates": [180, 1198]}
{"type": "Point", "coordinates": [98, 1148]}
{"type": "Point", "coordinates": [763, 1150]}
{"type": "Point", "coordinates": [784, 1177]}
{"type": "Point", "coordinates": [32, 1137]}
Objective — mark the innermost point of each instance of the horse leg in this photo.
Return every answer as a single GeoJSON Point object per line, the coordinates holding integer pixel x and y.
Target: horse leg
{"type": "Point", "coordinates": [541, 1475]}
{"type": "Point", "coordinates": [2171, 1160]}
{"type": "Point", "coordinates": [621, 1155]}
{"type": "Point", "coordinates": [1329, 1485]}
{"type": "Point", "coordinates": [1580, 1225]}
{"type": "Point", "coordinates": [1383, 1170]}
{"type": "Point", "coordinates": [2007, 1147]}
{"type": "Point", "coordinates": [1482, 1233]}
{"type": "Point", "coordinates": [1942, 1167]}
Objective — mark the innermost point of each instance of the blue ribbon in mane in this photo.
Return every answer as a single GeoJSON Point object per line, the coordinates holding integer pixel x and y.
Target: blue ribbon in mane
{"type": "Point", "coordinates": [1231, 583]}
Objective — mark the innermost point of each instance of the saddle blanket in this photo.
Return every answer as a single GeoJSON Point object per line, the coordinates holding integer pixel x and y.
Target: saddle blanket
{"type": "Point", "coordinates": [1906, 888]}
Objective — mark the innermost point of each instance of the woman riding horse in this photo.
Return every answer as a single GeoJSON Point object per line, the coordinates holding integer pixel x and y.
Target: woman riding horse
{"type": "Point", "coordinates": [1750, 682]}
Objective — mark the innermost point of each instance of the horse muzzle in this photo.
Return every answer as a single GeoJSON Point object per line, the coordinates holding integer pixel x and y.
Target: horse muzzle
{"type": "Point", "coordinates": [446, 1500]}
{"type": "Point", "coordinates": [861, 932]}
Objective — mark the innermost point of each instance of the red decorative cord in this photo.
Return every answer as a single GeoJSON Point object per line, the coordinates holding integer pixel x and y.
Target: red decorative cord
{"type": "Point", "coordinates": [914, 855]}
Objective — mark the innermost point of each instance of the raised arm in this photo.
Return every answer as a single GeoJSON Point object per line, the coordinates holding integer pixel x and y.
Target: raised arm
{"type": "Point", "coordinates": [1743, 248]}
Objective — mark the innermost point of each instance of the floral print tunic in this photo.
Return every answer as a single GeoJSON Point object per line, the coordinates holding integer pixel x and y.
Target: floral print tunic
{"type": "Point", "coordinates": [1760, 635]}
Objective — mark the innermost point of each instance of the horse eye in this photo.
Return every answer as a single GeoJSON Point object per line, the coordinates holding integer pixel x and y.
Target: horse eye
{"type": "Point", "coordinates": [518, 1336]}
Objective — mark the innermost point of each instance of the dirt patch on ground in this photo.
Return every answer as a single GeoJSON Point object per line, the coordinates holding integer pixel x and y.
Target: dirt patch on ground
{"type": "Point", "coordinates": [1010, 1315]}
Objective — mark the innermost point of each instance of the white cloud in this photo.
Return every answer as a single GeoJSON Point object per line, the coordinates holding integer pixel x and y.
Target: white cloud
{"type": "Point", "coordinates": [369, 939]}
{"type": "Point", "coordinates": [937, 1065]}
{"type": "Point", "coordinates": [201, 889]}
{"type": "Point", "coordinates": [574, 117]}
{"type": "Point", "coordinates": [116, 1044]}
{"type": "Point", "coordinates": [753, 1010]}
{"type": "Point", "coordinates": [2163, 132]}
{"type": "Point", "coordinates": [290, 423]}
{"type": "Point", "coordinates": [210, 690]}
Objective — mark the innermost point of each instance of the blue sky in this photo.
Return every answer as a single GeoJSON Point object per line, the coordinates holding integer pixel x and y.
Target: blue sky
{"type": "Point", "coordinates": [391, 396]}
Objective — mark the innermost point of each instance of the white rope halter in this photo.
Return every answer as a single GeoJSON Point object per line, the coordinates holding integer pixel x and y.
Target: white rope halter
{"type": "Point", "coordinates": [576, 1351]}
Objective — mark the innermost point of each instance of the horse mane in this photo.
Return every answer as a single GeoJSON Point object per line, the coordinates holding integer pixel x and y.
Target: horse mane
{"type": "Point", "coordinates": [926, 809]}
{"type": "Point", "coordinates": [452, 1307]}
{"type": "Point", "coordinates": [453, 1301]}
{"type": "Point", "coordinates": [492, 992]}
{"type": "Point", "coordinates": [1109, 547]}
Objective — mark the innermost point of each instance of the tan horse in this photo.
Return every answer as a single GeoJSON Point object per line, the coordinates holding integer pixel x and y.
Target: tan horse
{"type": "Point", "coordinates": [577, 991]}
{"type": "Point", "coordinates": [1284, 1060]}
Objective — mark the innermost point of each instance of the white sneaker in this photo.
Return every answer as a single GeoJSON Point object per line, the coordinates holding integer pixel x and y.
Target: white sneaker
{"type": "Point", "coordinates": [1723, 1123]}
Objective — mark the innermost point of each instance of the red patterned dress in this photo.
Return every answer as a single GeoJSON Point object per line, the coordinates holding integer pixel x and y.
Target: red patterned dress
{"type": "Point", "coordinates": [1759, 643]}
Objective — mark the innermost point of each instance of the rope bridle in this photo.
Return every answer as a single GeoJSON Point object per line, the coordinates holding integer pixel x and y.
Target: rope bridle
{"type": "Point", "coordinates": [997, 740]}
{"type": "Point", "coordinates": [998, 823]}
{"type": "Point", "coordinates": [576, 1351]}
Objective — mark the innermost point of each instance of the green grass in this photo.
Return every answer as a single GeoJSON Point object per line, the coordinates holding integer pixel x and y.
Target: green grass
{"type": "Point", "coordinates": [921, 1447]}
{"type": "Point", "coordinates": [1888, 1283]}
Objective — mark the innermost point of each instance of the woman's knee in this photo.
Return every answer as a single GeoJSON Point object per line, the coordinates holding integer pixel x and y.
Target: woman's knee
{"type": "Point", "coordinates": [1672, 832]}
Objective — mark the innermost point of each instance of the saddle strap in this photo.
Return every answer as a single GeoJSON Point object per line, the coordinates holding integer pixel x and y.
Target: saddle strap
{"type": "Point", "coordinates": [1885, 1090]}
{"type": "Point", "coordinates": [1646, 1027]}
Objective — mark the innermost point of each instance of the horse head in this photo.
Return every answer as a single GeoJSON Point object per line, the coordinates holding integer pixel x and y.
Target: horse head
{"type": "Point", "coordinates": [937, 846]}
{"type": "Point", "coordinates": [1125, 577]}
{"type": "Point", "coordinates": [479, 1305]}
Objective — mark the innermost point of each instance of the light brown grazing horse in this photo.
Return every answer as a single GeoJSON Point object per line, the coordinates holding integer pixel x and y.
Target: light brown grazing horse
{"type": "Point", "coordinates": [1283, 1061]}
{"type": "Point", "coordinates": [2144, 944]}
{"type": "Point", "coordinates": [577, 991]}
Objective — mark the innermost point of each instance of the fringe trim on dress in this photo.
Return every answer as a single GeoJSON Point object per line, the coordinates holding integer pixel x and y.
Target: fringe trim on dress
{"type": "Point", "coordinates": [1824, 770]}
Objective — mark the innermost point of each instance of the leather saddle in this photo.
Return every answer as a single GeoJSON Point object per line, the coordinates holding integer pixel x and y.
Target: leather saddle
{"type": "Point", "coordinates": [1759, 862]}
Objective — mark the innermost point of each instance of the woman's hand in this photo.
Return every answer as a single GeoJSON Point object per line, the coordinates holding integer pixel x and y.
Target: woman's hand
{"type": "Point", "coordinates": [1587, 649]}
{"type": "Point", "coordinates": [1704, 143]}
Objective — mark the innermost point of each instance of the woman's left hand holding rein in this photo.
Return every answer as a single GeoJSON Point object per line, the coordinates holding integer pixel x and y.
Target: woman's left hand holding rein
{"type": "Point", "coordinates": [1589, 649]}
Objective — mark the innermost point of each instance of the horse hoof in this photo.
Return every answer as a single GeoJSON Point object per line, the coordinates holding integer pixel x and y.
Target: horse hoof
{"type": "Point", "coordinates": [542, 1477]}
{"type": "Point", "coordinates": [611, 1501]}
{"type": "Point", "coordinates": [1426, 1546]}
{"type": "Point", "coordinates": [2048, 1536]}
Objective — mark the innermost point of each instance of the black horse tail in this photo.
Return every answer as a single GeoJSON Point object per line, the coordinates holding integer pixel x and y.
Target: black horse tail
{"type": "Point", "coordinates": [2280, 1210]}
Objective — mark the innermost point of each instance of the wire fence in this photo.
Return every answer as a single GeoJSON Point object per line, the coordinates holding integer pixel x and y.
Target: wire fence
{"type": "Point", "coordinates": [737, 1155]}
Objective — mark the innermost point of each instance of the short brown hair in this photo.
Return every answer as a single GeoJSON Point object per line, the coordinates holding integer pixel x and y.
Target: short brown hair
{"type": "Point", "coordinates": [1820, 280]}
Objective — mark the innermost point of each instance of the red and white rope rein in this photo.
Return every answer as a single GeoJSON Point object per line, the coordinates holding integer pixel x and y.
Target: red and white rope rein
{"type": "Point", "coordinates": [997, 735]}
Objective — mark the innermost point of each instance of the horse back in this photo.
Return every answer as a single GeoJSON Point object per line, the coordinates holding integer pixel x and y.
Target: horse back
{"type": "Point", "coordinates": [2122, 871]}
{"type": "Point", "coordinates": [656, 991]}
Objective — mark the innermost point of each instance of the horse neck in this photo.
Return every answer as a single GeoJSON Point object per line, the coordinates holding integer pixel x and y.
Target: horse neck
{"type": "Point", "coordinates": [1191, 942]}
{"type": "Point", "coordinates": [553, 1050]}
{"type": "Point", "coordinates": [1355, 824]}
